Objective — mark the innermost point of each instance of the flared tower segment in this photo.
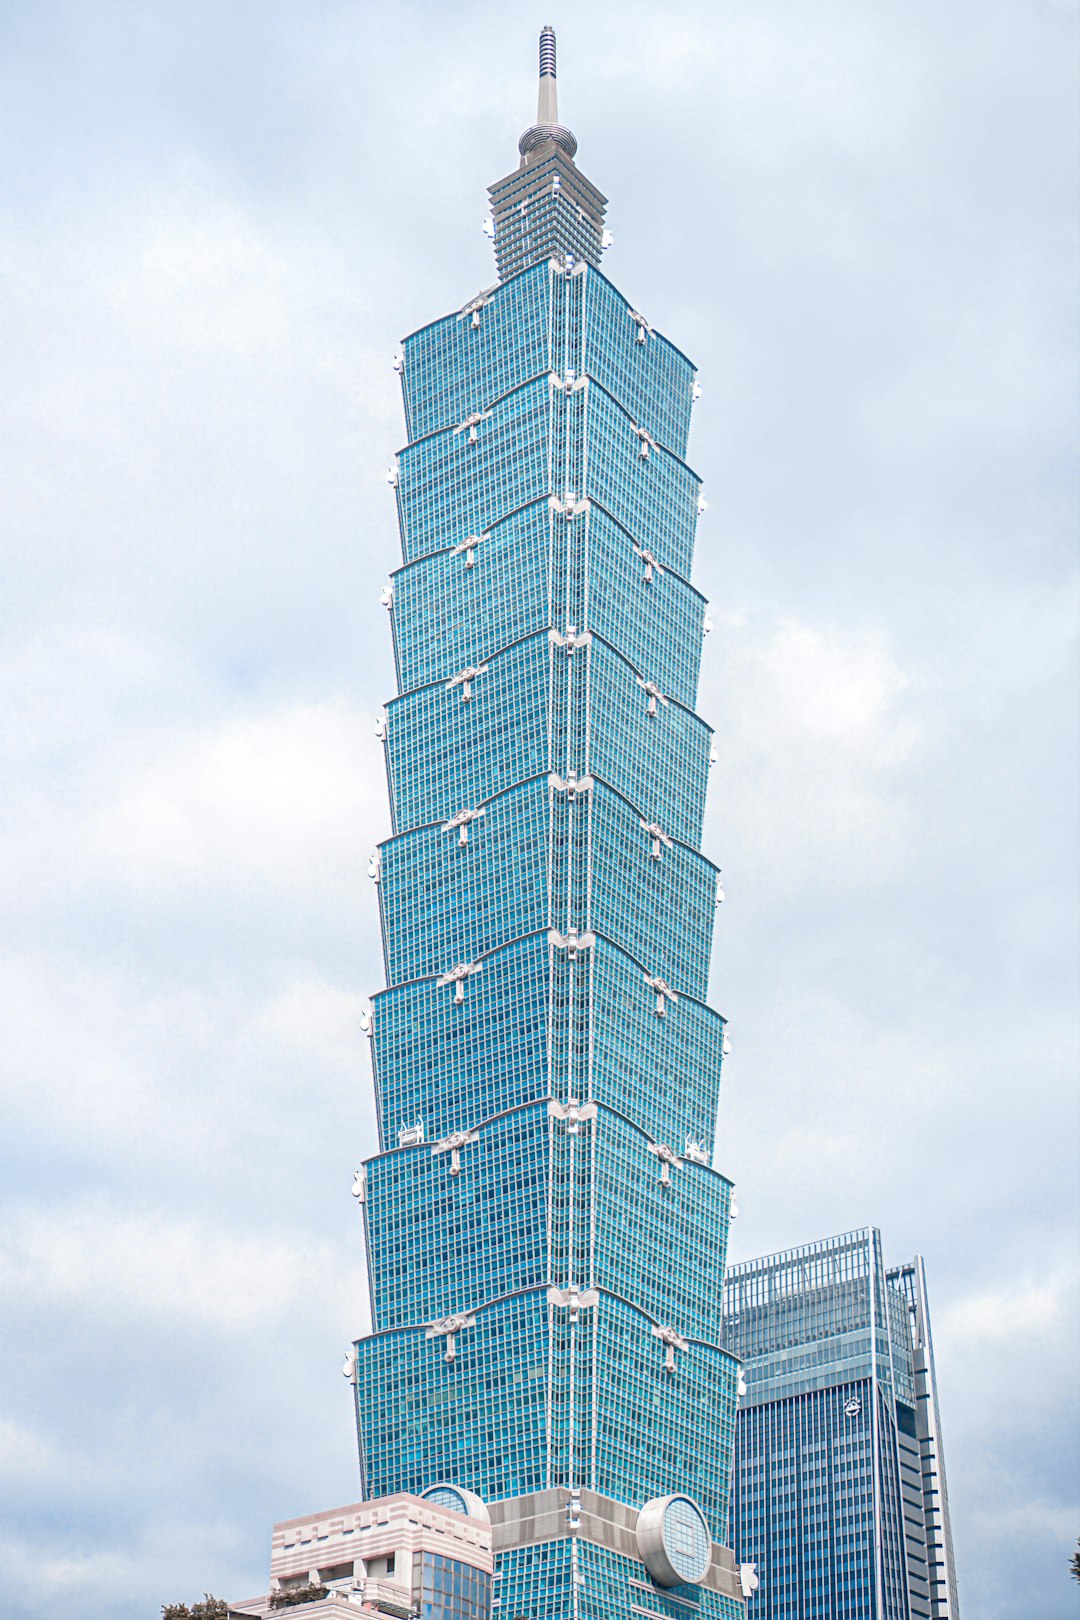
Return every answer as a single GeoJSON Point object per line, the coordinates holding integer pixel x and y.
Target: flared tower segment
{"type": "Point", "coordinates": [546, 1232]}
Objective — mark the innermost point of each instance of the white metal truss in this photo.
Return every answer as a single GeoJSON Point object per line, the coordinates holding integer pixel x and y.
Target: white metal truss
{"type": "Point", "coordinates": [572, 639]}
{"type": "Point", "coordinates": [572, 785]}
{"type": "Point", "coordinates": [467, 547]}
{"type": "Point", "coordinates": [651, 565]}
{"type": "Point", "coordinates": [571, 942]}
{"type": "Point", "coordinates": [461, 821]}
{"type": "Point", "coordinates": [647, 441]}
{"type": "Point", "coordinates": [453, 1145]}
{"type": "Point", "coordinates": [457, 976]}
{"type": "Point", "coordinates": [654, 694]}
{"type": "Point", "coordinates": [664, 994]}
{"type": "Point", "coordinates": [448, 1328]}
{"type": "Point", "coordinates": [644, 330]}
{"type": "Point", "coordinates": [573, 1114]}
{"type": "Point", "coordinates": [672, 1340]}
{"type": "Point", "coordinates": [470, 425]}
{"type": "Point", "coordinates": [464, 678]}
{"type": "Point", "coordinates": [668, 1157]}
{"type": "Point", "coordinates": [573, 1299]}
{"type": "Point", "coordinates": [568, 505]}
{"type": "Point", "coordinates": [659, 837]}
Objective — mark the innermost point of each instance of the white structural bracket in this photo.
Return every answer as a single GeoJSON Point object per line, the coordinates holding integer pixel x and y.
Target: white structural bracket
{"type": "Point", "coordinates": [468, 547]}
{"type": "Point", "coordinates": [461, 821]}
{"type": "Point", "coordinates": [647, 441]}
{"type": "Point", "coordinates": [659, 838]}
{"type": "Point", "coordinates": [572, 640]}
{"type": "Point", "coordinates": [469, 425]}
{"type": "Point", "coordinates": [569, 506]}
{"type": "Point", "coordinates": [654, 695]}
{"type": "Point", "coordinates": [475, 305]}
{"type": "Point", "coordinates": [349, 1369]}
{"type": "Point", "coordinates": [374, 865]}
{"type": "Point", "coordinates": [572, 785]}
{"type": "Point", "coordinates": [457, 976]}
{"type": "Point", "coordinates": [448, 1328]}
{"type": "Point", "coordinates": [667, 1157]}
{"type": "Point", "coordinates": [453, 1145]}
{"type": "Point", "coordinates": [644, 330]}
{"type": "Point", "coordinates": [574, 1114]}
{"type": "Point", "coordinates": [359, 1186]}
{"type": "Point", "coordinates": [651, 565]}
{"type": "Point", "coordinates": [673, 1341]}
{"type": "Point", "coordinates": [748, 1579]}
{"type": "Point", "coordinates": [664, 994]}
{"type": "Point", "coordinates": [568, 384]}
{"type": "Point", "coordinates": [464, 678]}
{"type": "Point", "coordinates": [573, 1299]}
{"type": "Point", "coordinates": [571, 942]}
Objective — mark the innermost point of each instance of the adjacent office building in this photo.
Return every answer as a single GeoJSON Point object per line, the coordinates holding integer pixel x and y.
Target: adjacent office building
{"type": "Point", "coordinates": [839, 1495]}
{"type": "Point", "coordinates": [546, 1233]}
{"type": "Point", "coordinates": [400, 1558]}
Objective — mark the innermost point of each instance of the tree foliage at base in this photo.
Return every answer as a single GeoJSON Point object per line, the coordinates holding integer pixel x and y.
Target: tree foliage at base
{"type": "Point", "coordinates": [297, 1594]}
{"type": "Point", "coordinates": [211, 1608]}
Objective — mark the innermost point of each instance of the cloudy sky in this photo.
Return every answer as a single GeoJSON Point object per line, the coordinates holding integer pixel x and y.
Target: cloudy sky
{"type": "Point", "coordinates": [216, 220]}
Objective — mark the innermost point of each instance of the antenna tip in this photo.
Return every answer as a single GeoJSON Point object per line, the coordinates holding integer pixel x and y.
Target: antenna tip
{"type": "Point", "coordinates": [547, 50]}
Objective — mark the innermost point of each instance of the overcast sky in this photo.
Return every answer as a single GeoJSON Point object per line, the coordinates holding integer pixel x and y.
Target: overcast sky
{"type": "Point", "coordinates": [216, 220]}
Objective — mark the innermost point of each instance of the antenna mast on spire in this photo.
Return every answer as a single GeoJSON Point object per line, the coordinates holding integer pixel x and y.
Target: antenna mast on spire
{"type": "Point", "coordinates": [547, 127]}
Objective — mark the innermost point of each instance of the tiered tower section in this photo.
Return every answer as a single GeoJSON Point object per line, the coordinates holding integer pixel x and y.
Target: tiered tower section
{"type": "Point", "coordinates": [546, 1234]}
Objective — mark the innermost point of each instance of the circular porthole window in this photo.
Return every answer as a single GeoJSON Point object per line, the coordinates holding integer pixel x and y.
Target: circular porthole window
{"type": "Point", "coordinates": [674, 1541]}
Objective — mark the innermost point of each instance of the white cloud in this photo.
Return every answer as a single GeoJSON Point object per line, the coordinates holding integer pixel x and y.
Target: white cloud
{"type": "Point", "coordinates": [1011, 1314]}
{"type": "Point", "coordinates": [22, 1451]}
{"type": "Point", "coordinates": [282, 799]}
{"type": "Point", "coordinates": [89, 1257]}
{"type": "Point", "coordinates": [816, 729]}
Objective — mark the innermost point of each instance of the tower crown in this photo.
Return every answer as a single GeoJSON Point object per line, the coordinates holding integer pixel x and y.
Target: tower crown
{"type": "Point", "coordinates": [546, 209]}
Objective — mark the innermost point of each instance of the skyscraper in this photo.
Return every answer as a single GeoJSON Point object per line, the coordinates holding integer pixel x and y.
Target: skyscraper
{"type": "Point", "coordinates": [546, 1234]}
{"type": "Point", "coordinates": [839, 1490]}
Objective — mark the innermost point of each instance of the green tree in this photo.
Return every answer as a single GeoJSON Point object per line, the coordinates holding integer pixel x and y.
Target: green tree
{"type": "Point", "coordinates": [1074, 1561]}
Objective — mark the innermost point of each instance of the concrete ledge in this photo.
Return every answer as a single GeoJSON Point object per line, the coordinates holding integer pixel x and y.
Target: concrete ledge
{"type": "Point", "coordinates": [523, 1521]}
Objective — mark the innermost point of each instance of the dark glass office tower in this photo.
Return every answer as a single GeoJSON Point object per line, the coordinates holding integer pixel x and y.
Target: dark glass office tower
{"type": "Point", "coordinates": [839, 1495]}
{"type": "Point", "coordinates": [546, 1233]}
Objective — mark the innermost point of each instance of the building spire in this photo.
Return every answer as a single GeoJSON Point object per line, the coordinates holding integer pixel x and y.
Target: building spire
{"type": "Point", "coordinates": [547, 127]}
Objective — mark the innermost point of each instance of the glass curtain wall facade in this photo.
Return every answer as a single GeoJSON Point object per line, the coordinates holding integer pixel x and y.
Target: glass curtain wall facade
{"type": "Point", "coordinates": [546, 1234]}
{"type": "Point", "coordinates": [833, 1498]}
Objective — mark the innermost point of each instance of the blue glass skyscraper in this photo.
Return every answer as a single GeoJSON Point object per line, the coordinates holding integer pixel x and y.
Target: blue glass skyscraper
{"type": "Point", "coordinates": [839, 1496]}
{"type": "Point", "coordinates": [546, 1234]}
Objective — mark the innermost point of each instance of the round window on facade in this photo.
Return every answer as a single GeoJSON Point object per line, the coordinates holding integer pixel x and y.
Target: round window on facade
{"type": "Point", "coordinates": [674, 1541]}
